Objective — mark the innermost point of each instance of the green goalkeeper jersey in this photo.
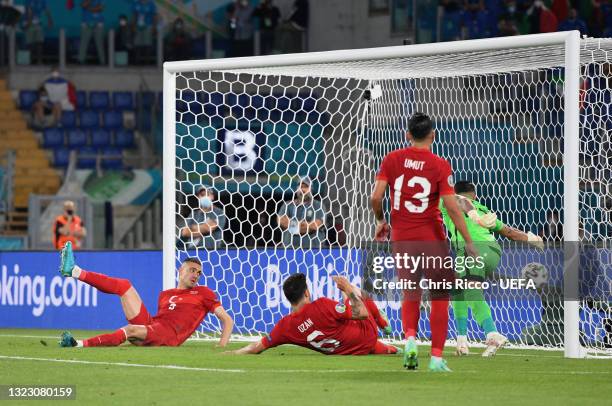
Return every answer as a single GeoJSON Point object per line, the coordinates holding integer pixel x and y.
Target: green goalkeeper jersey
{"type": "Point", "coordinates": [479, 234]}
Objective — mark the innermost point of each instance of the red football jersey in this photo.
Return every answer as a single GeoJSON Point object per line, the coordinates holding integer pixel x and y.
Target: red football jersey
{"type": "Point", "coordinates": [417, 178]}
{"type": "Point", "coordinates": [325, 326]}
{"type": "Point", "coordinates": [184, 309]}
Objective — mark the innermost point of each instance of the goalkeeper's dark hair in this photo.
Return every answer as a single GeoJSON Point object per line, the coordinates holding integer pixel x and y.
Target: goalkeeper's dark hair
{"type": "Point", "coordinates": [464, 186]}
{"type": "Point", "coordinates": [420, 125]}
{"type": "Point", "coordinates": [193, 260]}
{"type": "Point", "coordinates": [294, 288]}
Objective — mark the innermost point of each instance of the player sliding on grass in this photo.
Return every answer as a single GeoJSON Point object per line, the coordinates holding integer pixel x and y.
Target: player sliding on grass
{"type": "Point", "coordinates": [324, 325]}
{"type": "Point", "coordinates": [481, 224]}
{"type": "Point", "coordinates": [418, 179]}
{"type": "Point", "coordinates": [180, 311]}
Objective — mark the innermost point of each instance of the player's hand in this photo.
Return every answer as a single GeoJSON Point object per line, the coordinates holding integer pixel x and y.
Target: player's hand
{"type": "Point", "coordinates": [343, 283]}
{"type": "Point", "coordinates": [488, 220]}
{"type": "Point", "coordinates": [470, 250]}
{"type": "Point", "coordinates": [535, 240]}
{"type": "Point", "coordinates": [382, 231]}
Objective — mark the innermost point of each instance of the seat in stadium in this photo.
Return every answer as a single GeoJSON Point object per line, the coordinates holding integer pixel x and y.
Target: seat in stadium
{"type": "Point", "coordinates": [113, 119]}
{"type": "Point", "coordinates": [145, 100]}
{"type": "Point", "coordinates": [61, 157]}
{"type": "Point", "coordinates": [123, 101]}
{"type": "Point", "coordinates": [81, 99]}
{"type": "Point", "coordinates": [27, 98]}
{"type": "Point", "coordinates": [99, 100]}
{"type": "Point", "coordinates": [77, 138]}
{"type": "Point", "coordinates": [112, 158]}
{"type": "Point", "coordinates": [124, 138]}
{"type": "Point", "coordinates": [100, 138]}
{"type": "Point", "coordinates": [68, 119]}
{"type": "Point", "coordinates": [53, 138]}
{"type": "Point", "coordinates": [86, 158]}
{"type": "Point", "coordinates": [89, 119]}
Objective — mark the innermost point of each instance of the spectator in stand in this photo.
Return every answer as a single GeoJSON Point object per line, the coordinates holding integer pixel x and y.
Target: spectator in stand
{"type": "Point", "coordinates": [68, 227]}
{"type": "Point", "coordinates": [553, 230]}
{"type": "Point", "coordinates": [302, 219]}
{"type": "Point", "coordinates": [561, 9]}
{"type": "Point", "coordinates": [34, 32]}
{"type": "Point", "coordinates": [453, 19]}
{"type": "Point", "coordinates": [55, 95]}
{"type": "Point", "coordinates": [507, 26]}
{"type": "Point", "coordinates": [178, 42]}
{"type": "Point", "coordinates": [123, 36]}
{"type": "Point", "coordinates": [240, 17]}
{"type": "Point", "coordinates": [144, 24]}
{"type": "Point", "coordinates": [204, 228]}
{"type": "Point", "coordinates": [573, 22]}
{"type": "Point", "coordinates": [294, 29]}
{"type": "Point", "coordinates": [605, 16]}
{"type": "Point", "coordinates": [541, 19]}
{"type": "Point", "coordinates": [92, 25]}
{"type": "Point", "coordinates": [269, 16]}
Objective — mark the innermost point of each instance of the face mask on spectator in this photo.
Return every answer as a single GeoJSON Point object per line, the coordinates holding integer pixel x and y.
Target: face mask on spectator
{"type": "Point", "coordinates": [244, 3]}
{"type": "Point", "coordinates": [122, 23]}
{"type": "Point", "coordinates": [70, 212]}
{"type": "Point", "coordinates": [205, 202]}
{"type": "Point", "coordinates": [179, 26]}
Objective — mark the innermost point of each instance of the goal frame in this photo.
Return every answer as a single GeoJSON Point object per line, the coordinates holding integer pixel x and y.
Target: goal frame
{"type": "Point", "coordinates": [569, 39]}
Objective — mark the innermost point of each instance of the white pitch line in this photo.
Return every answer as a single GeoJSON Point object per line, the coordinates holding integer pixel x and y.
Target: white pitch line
{"type": "Point", "coordinates": [26, 336]}
{"type": "Point", "coordinates": [121, 364]}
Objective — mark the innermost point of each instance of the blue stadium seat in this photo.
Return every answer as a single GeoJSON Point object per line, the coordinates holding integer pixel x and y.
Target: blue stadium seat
{"type": "Point", "coordinates": [112, 119]}
{"type": "Point", "coordinates": [123, 101]}
{"type": "Point", "coordinates": [61, 157]}
{"type": "Point", "coordinates": [86, 158]}
{"type": "Point", "coordinates": [81, 99]}
{"type": "Point", "coordinates": [112, 158]}
{"type": "Point", "coordinates": [68, 119]}
{"type": "Point", "coordinates": [77, 138]}
{"type": "Point", "coordinates": [53, 138]}
{"type": "Point", "coordinates": [145, 100]}
{"type": "Point", "coordinates": [27, 98]}
{"type": "Point", "coordinates": [89, 119]}
{"type": "Point", "coordinates": [100, 138]}
{"type": "Point", "coordinates": [124, 138]}
{"type": "Point", "coordinates": [99, 100]}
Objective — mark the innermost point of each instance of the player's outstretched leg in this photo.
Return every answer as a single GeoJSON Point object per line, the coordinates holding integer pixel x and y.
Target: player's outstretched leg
{"type": "Point", "coordinates": [460, 312]}
{"type": "Point", "coordinates": [133, 307]}
{"type": "Point", "coordinates": [135, 334]}
{"type": "Point", "coordinates": [381, 348]}
{"type": "Point", "coordinates": [411, 310]}
{"type": "Point", "coordinates": [484, 318]}
{"type": "Point", "coordinates": [439, 330]}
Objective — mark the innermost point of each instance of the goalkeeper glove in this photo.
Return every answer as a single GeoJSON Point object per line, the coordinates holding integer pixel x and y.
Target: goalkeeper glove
{"type": "Point", "coordinates": [487, 220]}
{"type": "Point", "coordinates": [535, 240]}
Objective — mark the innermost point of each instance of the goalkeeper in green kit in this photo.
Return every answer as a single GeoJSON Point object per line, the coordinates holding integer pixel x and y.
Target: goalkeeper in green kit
{"type": "Point", "coordinates": [481, 224]}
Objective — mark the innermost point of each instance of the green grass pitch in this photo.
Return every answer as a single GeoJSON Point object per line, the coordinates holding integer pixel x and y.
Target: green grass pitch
{"type": "Point", "coordinates": [199, 373]}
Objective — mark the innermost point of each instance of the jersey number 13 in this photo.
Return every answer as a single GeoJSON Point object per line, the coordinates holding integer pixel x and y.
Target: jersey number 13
{"type": "Point", "coordinates": [422, 197]}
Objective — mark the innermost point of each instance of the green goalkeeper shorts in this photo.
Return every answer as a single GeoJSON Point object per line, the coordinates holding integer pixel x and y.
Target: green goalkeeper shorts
{"type": "Point", "coordinates": [487, 263]}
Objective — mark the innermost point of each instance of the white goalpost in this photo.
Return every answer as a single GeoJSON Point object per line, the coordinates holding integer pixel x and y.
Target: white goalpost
{"type": "Point", "coordinates": [527, 119]}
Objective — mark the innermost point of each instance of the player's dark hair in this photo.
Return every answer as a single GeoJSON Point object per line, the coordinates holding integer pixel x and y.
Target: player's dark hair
{"type": "Point", "coordinates": [294, 288]}
{"type": "Point", "coordinates": [193, 260]}
{"type": "Point", "coordinates": [464, 186]}
{"type": "Point", "coordinates": [420, 125]}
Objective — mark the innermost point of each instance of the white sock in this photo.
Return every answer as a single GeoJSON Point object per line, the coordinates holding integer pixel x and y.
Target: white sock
{"type": "Point", "coordinates": [434, 358]}
{"type": "Point", "coordinates": [411, 338]}
{"type": "Point", "coordinates": [79, 343]}
{"type": "Point", "coordinates": [76, 272]}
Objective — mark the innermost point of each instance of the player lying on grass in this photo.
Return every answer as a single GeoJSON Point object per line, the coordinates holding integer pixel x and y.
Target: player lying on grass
{"type": "Point", "coordinates": [349, 327]}
{"type": "Point", "coordinates": [481, 224]}
{"type": "Point", "coordinates": [180, 311]}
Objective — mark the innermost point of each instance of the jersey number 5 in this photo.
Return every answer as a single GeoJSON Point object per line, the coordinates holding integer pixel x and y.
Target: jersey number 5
{"type": "Point", "coordinates": [423, 196]}
{"type": "Point", "coordinates": [333, 344]}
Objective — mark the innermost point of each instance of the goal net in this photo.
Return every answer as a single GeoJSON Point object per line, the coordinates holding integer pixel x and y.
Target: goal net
{"type": "Point", "coordinates": [287, 148]}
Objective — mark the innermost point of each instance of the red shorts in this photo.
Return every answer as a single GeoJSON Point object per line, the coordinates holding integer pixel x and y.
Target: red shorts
{"type": "Point", "coordinates": [429, 231]}
{"type": "Point", "coordinates": [158, 332]}
{"type": "Point", "coordinates": [435, 269]}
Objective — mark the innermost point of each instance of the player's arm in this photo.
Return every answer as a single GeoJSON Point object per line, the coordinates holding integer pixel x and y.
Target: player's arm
{"type": "Point", "coordinates": [253, 348]}
{"type": "Point", "coordinates": [487, 220]}
{"type": "Point", "coordinates": [456, 215]}
{"type": "Point", "coordinates": [358, 309]}
{"type": "Point", "coordinates": [514, 234]}
{"type": "Point", "coordinates": [376, 201]}
{"type": "Point", "coordinates": [227, 325]}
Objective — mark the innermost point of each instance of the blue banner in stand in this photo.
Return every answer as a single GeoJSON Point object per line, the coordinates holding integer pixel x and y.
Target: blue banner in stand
{"type": "Point", "coordinates": [34, 295]}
